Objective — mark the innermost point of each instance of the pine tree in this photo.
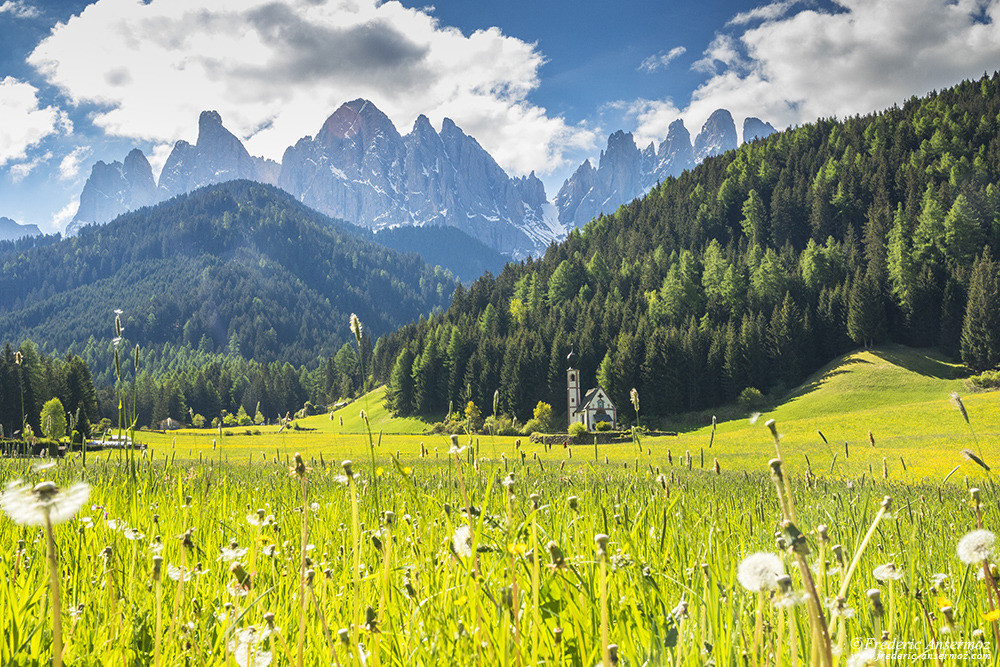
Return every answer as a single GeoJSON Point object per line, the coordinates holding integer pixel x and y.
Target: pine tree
{"type": "Point", "coordinates": [981, 328]}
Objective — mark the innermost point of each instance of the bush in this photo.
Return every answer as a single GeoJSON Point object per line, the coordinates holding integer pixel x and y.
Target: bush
{"type": "Point", "coordinates": [533, 426]}
{"type": "Point", "coordinates": [198, 421]}
{"type": "Point", "coordinates": [501, 425]}
{"type": "Point", "coordinates": [603, 427]}
{"type": "Point", "coordinates": [986, 380]}
{"type": "Point", "coordinates": [577, 432]}
{"type": "Point", "coordinates": [751, 399]}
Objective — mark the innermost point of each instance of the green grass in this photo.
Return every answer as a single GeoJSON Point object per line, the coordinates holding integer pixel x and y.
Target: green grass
{"type": "Point", "coordinates": [675, 535]}
{"type": "Point", "coordinates": [900, 395]}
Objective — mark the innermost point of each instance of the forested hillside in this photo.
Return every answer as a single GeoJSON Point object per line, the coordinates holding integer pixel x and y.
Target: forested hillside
{"type": "Point", "coordinates": [752, 270]}
{"type": "Point", "coordinates": [239, 267]}
{"type": "Point", "coordinates": [236, 294]}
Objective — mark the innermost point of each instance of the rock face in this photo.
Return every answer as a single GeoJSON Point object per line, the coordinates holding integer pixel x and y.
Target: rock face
{"type": "Point", "coordinates": [218, 156]}
{"type": "Point", "coordinates": [717, 135]}
{"type": "Point", "coordinates": [360, 169]}
{"type": "Point", "coordinates": [113, 189]}
{"type": "Point", "coordinates": [624, 172]}
{"type": "Point", "coordinates": [11, 231]}
{"type": "Point", "coordinates": [755, 128]}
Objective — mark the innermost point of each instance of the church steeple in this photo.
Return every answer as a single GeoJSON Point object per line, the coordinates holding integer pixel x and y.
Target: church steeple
{"type": "Point", "coordinates": [572, 387]}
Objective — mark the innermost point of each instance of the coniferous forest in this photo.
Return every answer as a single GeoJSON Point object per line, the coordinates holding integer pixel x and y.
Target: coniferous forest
{"type": "Point", "coordinates": [752, 270]}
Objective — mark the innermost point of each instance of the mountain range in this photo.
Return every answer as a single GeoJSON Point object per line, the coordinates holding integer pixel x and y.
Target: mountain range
{"type": "Point", "coordinates": [360, 169]}
{"type": "Point", "coordinates": [625, 172]}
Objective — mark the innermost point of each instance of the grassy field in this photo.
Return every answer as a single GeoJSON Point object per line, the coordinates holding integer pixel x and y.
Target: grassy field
{"type": "Point", "coordinates": [515, 555]}
{"type": "Point", "coordinates": [900, 395]}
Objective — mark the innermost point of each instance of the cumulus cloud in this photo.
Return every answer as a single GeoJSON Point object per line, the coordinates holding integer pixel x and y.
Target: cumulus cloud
{"type": "Point", "coordinates": [19, 9]}
{"type": "Point", "coordinates": [25, 122]}
{"type": "Point", "coordinates": [661, 60]}
{"type": "Point", "coordinates": [792, 65]}
{"type": "Point", "coordinates": [69, 167]}
{"type": "Point", "coordinates": [275, 69]}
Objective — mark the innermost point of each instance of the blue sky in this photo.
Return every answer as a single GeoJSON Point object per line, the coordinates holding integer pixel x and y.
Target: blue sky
{"type": "Point", "coordinates": [539, 84]}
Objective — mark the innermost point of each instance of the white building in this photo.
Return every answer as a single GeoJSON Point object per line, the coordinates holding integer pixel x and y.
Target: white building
{"type": "Point", "coordinates": [593, 407]}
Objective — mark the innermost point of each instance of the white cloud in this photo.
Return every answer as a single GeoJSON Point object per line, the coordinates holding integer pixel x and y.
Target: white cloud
{"type": "Point", "coordinates": [24, 122]}
{"type": "Point", "coordinates": [19, 170]}
{"type": "Point", "coordinates": [275, 69]}
{"type": "Point", "coordinates": [19, 9]}
{"type": "Point", "coordinates": [64, 215]}
{"type": "Point", "coordinates": [661, 60]}
{"type": "Point", "coordinates": [767, 12]}
{"type": "Point", "coordinates": [69, 167]}
{"type": "Point", "coordinates": [859, 57]}
{"type": "Point", "coordinates": [653, 118]}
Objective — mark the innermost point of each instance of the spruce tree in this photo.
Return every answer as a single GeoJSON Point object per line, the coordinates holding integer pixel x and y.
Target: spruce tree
{"type": "Point", "coordinates": [980, 344]}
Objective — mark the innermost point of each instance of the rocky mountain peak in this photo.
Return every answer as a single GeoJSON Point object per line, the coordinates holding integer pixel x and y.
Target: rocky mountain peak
{"type": "Point", "coordinates": [755, 128]}
{"type": "Point", "coordinates": [717, 135]}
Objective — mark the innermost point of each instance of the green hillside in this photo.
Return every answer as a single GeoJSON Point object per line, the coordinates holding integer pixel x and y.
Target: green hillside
{"type": "Point", "coordinates": [901, 395]}
{"type": "Point", "coordinates": [753, 270]}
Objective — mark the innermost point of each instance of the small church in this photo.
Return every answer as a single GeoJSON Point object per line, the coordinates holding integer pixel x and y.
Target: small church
{"type": "Point", "coordinates": [592, 407]}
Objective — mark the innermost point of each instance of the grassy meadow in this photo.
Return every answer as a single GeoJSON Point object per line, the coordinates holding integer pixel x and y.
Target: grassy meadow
{"type": "Point", "coordinates": [231, 553]}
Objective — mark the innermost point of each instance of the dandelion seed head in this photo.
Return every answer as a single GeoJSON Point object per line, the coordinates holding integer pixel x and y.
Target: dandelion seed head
{"type": "Point", "coordinates": [462, 541]}
{"type": "Point", "coordinates": [887, 572]}
{"type": "Point", "coordinates": [975, 547]}
{"type": "Point", "coordinates": [760, 571]}
{"type": "Point", "coordinates": [754, 417]}
{"type": "Point", "coordinates": [33, 506]}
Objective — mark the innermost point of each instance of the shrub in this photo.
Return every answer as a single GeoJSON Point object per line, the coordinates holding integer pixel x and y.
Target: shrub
{"type": "Point", "coordinates": [986, 380]}
{"type": "Point", "coordinates": [532, 426]}
{"type": "Point", "coordinates": [578, 431]}
{"type": "Point", "coordinates": [198, 421]}
{"type": "Point", "coordinates": [501, 425]}
{"type": "Point", "coordinates": [602, 426]}
{"type": "Point", "coordinates": [751, 399]}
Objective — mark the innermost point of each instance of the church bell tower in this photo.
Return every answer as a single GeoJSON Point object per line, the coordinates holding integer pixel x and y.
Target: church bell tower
{"type": "Point", "coordinates": [572, 387]}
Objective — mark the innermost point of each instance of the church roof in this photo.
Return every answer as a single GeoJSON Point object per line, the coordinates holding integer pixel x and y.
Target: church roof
{"type": "Point", "coordinates": [591, 395]}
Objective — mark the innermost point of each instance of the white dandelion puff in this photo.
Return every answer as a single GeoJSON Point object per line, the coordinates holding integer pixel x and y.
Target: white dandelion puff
{"type": "Point", "coordinates": [887, 571]}
{"type": "Point", "coordinates": [177, 573]}
{"type": "Point", "coordinates": [760, 571]}
{"type": "Point", "coordinates": [754, 417]}
{"type": "Point", "coordinates": [976, 547]}
{"type": "Point", "coordinates": [245, 647]}
{"type": "Point", "coordinates": [462, 541]}
{"type": "Point", "coordinates": [43, 503]}
{"type": "Point", "coordinates": [39, 467]}
{"type": "Point", "coordinates": [232, 553]}
{"type": "Point", "coordinates": [133, 534]}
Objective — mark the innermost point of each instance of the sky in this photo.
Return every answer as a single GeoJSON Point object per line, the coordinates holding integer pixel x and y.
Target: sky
{"type": "Point", "coordinates": [540, 84]}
